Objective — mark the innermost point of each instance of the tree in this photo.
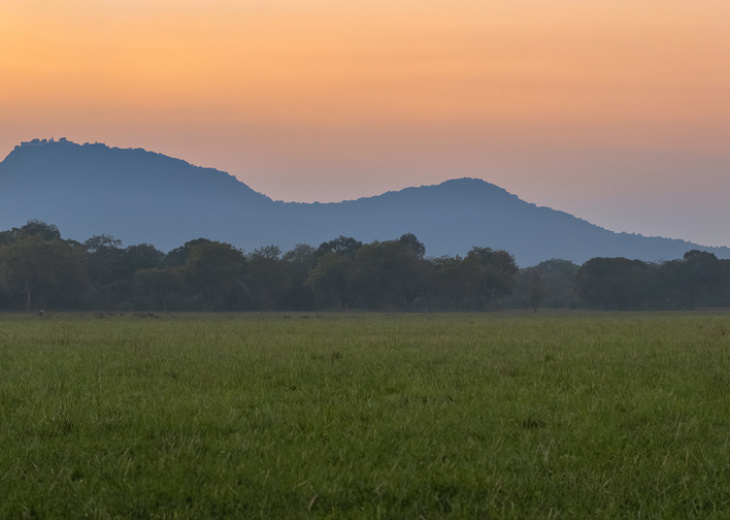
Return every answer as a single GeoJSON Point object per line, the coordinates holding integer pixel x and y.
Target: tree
{"type": "Point", "coordinates": [410, 241]}
{"type": "Point", "coordinates": [493, 271]}
{"type": "Point", "coordinates": [699, 279]}
{"type": "Point", "coordinates": [178, 256]}
{"type": "Point", "coordinates": [346, 246]}
{"type": "Point", "coordinates": [113, 269]}
{"type": "Point", "coordinates": [214, 271]}
{"type": "Point", "coordinates": [548, 284]}
{"type": "Point", "coordinates": [449, 286]}
{"type": "Point", "coordinates": [99, 242]}
{"type": "Point", "coordinates": [328, 281]}
{"type": "Point", "coordinates": [614, 283]}
{"type": "Point", "coordinates": [158, 285]}
{"type": "Point", "coordinates": [537, 288]}
{"type": "Point", "coordinates": [559, 279]}
{"type": "Point", "coordinates": [298, 263]}
{"type": "Point", "coordinates": [302, 254]}
{"type": "Point", "coordinates": [270, 252]}
{"type": "Point", "coordinates": [104, 258]}
{"type": "Point", "coordinates": [43, 271]}
{"type": "Point", "coordinates": [142, 256]}
{"type": "Point", "coordinates": [33, 228]}
{"type": "Point", "coordinates": [671, 288]}
{"type": "Point", "coordinates": [267, 276]}
{"type": "Point", "coordinates": [388, 275]}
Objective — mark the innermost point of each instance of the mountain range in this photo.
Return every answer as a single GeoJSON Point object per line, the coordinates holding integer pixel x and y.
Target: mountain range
{"type": "Point", "coordinates": [144, 197]}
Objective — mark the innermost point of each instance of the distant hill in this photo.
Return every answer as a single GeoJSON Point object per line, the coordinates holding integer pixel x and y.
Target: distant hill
{"type": "Point", "coordinates": [140, 196]}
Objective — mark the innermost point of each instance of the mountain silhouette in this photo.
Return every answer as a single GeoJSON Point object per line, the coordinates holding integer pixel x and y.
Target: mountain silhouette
{"type": "Point", "coordinates": [143, 197]}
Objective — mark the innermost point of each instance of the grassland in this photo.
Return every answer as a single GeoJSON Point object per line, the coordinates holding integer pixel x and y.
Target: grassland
{"type": "Point", "coordinates": [366, 416]}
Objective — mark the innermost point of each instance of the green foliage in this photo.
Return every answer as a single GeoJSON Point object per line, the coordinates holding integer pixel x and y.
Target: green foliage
{"type": "Point", "coordinates": [345, 246]}
{"type": "Point", "coordinates": [38, 269]}
{"type": "Point", "coordinates": [550, 284]}
{"type": "Point", "coordinates": [267, 276]}
{"type": "Point", "coordinates": [558, 277]}
{"type": "Point", "coordinates": [298, 263]}
{"type": "Point", "coordinates": [113, 270]}
{"type": "Point", "coordinates": [43, 271]}
{"type": "Point", "coordinates": [387, 275]}
{"type": "Point", "coordinates": [34, 228]}
{"type": "Point", "coordinates": [328, 281]}
{"type": "Point", "coordinates": [699, 278]}
{"type": "Point", "coordinates": [614, 283]}
{"type": "Point", "coordinates": [410, 241]}
{"type": "Point", "coordinates": [215, 272]}
{"type": "Point", "coordinates": [494, 272]}
{"type": "Point", "coordinates": [450, 286]}
{"type": "Point", "coordinates": [178, 256]}
{"type": "Point", "coordinates": [100, 242]}
{"type": "Point", "coordinates": [537, 289]}
{"type": "Point", "coordinates": [157, 286]}
{"type": "Point", "coordinates": [451, 416]}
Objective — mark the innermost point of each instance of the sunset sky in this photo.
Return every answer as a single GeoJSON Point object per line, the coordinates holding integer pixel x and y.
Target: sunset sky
{"type": "Point", "coordinates": [617, 111]}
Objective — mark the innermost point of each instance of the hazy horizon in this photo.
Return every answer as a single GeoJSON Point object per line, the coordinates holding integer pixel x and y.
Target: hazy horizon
{"type": "Point", "coordinates": [617, 112]}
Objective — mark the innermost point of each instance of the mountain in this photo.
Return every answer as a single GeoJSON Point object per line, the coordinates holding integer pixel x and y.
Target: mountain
{"type": "Point", "coordinates": [139, 196]}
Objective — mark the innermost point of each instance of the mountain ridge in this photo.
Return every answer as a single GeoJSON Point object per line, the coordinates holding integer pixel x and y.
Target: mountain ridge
{"type": "Point", "coordinates": [142, 196]}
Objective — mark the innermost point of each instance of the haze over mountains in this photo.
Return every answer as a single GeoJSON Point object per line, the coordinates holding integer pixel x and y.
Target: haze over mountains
{"type": "Point", "coordinates": [143, 197]}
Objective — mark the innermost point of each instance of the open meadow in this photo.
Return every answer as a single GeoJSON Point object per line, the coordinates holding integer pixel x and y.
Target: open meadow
{"type": "Point", "coordinates": [404, 416]}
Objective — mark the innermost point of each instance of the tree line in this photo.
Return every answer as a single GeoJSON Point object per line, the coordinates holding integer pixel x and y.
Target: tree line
{"type": "Point", "coordinates": [41, 270]}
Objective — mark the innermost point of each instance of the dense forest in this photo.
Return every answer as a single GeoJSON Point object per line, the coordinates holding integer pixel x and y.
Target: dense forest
{"type": "Point", "coordinates": [39, 270]}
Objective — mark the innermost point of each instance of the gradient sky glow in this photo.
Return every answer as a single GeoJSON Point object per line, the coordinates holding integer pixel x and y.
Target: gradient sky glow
{"type": "Point", "coordinates": [617, 111]}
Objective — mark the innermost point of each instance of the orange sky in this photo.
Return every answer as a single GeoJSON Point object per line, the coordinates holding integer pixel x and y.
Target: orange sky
{"type": "Point", "coordinates": [615, 110]}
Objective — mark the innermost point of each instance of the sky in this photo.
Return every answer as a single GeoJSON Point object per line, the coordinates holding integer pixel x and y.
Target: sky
{"type": "Point", "coordinates": [617, 111]}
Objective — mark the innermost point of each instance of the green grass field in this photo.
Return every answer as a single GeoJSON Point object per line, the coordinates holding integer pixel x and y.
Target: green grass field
{"type": "Point", "coordinates": [366, 416]}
